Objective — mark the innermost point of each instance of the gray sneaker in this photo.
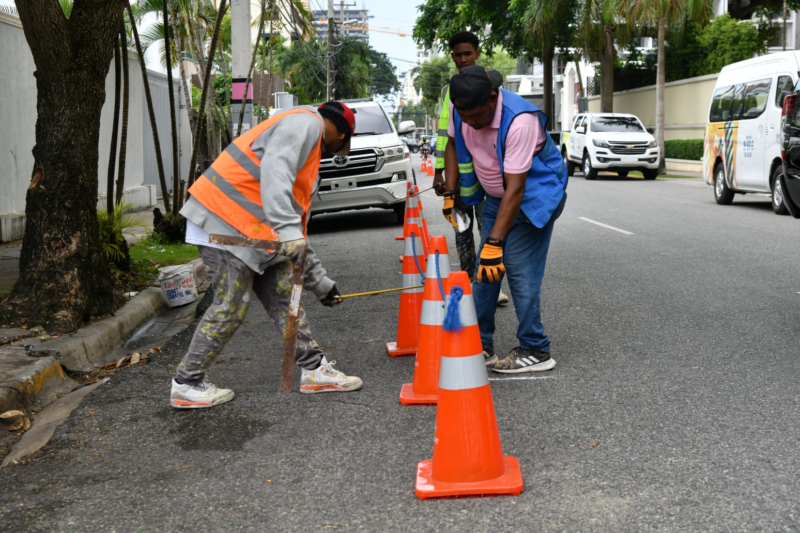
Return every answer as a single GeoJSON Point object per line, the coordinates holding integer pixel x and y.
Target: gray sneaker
{"type": "Point", "coordinates": [502, 299]}
{"type": "Point", "coordinates": [521, 360]}
{"type": "Point", "coordinates": [488, 355]}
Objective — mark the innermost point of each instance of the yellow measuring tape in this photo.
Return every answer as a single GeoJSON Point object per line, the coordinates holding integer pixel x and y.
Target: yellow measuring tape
{"type": "Point", "coordinates": [372, 293]}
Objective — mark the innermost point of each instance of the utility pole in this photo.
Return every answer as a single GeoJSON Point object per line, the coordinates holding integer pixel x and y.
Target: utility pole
{"type": "Point", "coordinates": [331, 25]}
{"type": "Point", "coordinates": [240, 64]}
{"type": "Point", "coordinates": [785, 10]}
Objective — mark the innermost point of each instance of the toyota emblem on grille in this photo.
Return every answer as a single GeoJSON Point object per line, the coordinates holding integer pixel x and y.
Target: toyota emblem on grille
{"type": "Point", "coordinates": [341, 161]}
{"type": "Point", "coordinates": [629, 147]}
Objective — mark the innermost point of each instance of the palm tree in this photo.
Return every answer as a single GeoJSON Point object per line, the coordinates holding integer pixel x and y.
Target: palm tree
{"type": "Point", "coordinates": [112, 154]}
{"type": "Point", "coordinates": [597, 23]}
{"type": "Point", "coordinates": [206, 81]}
{"type": "Point", "coordinates": [159, 162]}
{"type": "Point", "coordinates": [252, 64]}
{"type": "Point", "coordinates": [126, 85]}
{"type": "Point", "coordinates": [660, 14]}
{"type": "Point", "coordinates": [173, 125]}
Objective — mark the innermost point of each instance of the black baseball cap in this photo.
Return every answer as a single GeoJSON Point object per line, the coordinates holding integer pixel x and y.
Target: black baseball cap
{"type": "Point", "coordinates": [473, 86]}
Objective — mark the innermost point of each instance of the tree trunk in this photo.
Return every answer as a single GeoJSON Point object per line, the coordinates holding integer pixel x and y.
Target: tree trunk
{"type": "Point", "coordinates": [173, 125]}
{"type": "Point", "coordinates": [187, 95]}
{"type": "Point", "coordinates": [250, 71]}
{"type": "Point", "coordinates": [547, 81]}
{"type": "Point", "coordinates": [607, 70]}
{"type": "Point", "coordinates": [153, 126]}
{"type": "Point", "coordinates": [126, 99]}
{"type": "Point", "coordinates": [229, 115]}
{"type": "Point", "coordinates": [204, 95]}
{"type": "Point", "coordinates": [64, 278]}
{"type": "Point", "coordinates": [112, 152]}
{"type": "Point", "coordinates": [577, 61]}
{"type": "Point", "coordinates": [262, 84]}
{"type": "Point", "coordinates": [661, 82]}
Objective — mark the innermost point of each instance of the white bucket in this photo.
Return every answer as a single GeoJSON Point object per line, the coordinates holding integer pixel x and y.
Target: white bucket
{"type": "Point", "coordinates": [177, 285]}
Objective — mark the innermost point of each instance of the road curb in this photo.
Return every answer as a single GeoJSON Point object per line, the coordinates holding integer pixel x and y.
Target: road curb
{"type": "Point", "coordinates": [28, 382]}
{"type": "Point", "coordinates": [92, 347]}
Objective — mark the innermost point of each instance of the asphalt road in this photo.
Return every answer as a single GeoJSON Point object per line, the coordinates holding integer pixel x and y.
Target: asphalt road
{"type": "Point", "coordinates": [676, 345]}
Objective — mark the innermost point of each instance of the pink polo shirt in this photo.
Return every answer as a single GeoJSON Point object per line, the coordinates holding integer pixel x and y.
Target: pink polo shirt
{"type": "Point", "coordinates": [525, 138]}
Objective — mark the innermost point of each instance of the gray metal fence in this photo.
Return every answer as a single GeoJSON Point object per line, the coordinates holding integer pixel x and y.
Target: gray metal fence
{"type": "Point", "coordinates": [158, 90]}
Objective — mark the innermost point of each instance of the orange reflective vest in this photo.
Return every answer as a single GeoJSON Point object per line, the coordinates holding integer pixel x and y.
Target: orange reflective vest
{"type": "Point", "coordinates": [231, 187]}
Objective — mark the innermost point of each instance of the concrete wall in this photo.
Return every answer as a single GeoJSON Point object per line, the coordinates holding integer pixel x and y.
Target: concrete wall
{"type": "Point", "coordinates": [18, 122]}
{"type": "Point", "coordinates": [686, 106]}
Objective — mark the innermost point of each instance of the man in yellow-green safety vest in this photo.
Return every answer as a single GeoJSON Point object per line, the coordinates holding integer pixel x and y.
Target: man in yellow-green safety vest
{"type": "Point", "coordinates": [464, 51]}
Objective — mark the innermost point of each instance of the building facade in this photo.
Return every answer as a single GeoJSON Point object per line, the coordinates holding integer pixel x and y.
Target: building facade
{"type": "Point", "coordinates": [357, 19]}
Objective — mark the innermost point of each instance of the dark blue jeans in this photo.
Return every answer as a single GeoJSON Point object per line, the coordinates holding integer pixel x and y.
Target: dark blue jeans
{"type": "Point", "coordinates": [524, 256]}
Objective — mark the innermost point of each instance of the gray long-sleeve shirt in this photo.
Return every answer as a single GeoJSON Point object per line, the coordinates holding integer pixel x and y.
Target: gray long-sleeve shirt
{"type": "Point", "coordinates": [283, 150]}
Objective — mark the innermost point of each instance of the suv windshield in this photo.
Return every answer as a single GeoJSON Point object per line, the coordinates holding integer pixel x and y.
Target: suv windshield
{"type": "Point", "coordinates": [371, 121]}
{"type": "Point", "coordinates": [616, 124]}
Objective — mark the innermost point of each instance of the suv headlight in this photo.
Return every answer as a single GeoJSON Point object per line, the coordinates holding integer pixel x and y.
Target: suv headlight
{"type": "Point", "coordinates": [600, 144]}
{"type": "Point", "coordinates": [393, 153]}
{"type": "Point", "coordinates": [653, 144]}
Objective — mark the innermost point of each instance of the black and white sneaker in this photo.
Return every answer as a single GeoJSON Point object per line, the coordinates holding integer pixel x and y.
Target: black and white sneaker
{"type": "Point", "coordinates": [521, 360]}
{"type": "Point", "coordinates": [488, 355]}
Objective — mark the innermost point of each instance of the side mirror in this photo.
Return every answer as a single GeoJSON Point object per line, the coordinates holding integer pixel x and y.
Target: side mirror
{"type": "Point", "coordinates": [580, 129]}
{"type": "Point", "coordinates": [782, 97]}
{"type": "Point", "coordinates": [407, 126]}
{"type": "Point", "coordinates": [651, 131]}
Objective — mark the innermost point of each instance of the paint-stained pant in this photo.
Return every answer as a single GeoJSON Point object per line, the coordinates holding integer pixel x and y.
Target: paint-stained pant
{"type": "Point", "coordinates": [465, 241]}
{"type": "Point", "coordinates": [232, 282]}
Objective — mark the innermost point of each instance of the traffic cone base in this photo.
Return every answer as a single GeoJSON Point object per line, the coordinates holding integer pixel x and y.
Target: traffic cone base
{"type": "Point", "coordinates": [409, 397]}
{"type": "Point", "coordinates": [510, 483]}
{"type": "Point", "coordinates": [394, 351]}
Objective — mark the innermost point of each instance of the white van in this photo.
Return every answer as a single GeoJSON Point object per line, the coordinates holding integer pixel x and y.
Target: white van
{"type": "Point", "coordinates": [742, 152]}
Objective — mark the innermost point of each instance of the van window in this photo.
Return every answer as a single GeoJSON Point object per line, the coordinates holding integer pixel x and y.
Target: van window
{"type": "Point", "coordinates": [738, 102]}
{"type": "Point", "coordinates": [579, 123]}
{"type": "Point", "coordinates": [721, 105]}
{"type": "Point", "coordinates": [756, 98]}
{"type": "Point", "coordinates": [785, 84]}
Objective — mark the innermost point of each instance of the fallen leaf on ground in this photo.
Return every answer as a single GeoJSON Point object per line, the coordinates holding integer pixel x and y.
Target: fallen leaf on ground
{"type": "Point", "coordinates": [12, 414]}
{"type": "Point", "coordinates": [91, 413]}
{"type": "Point", "coordinates": [595, 445]}
{"type": "Point", "coordinates": [26, 423]}
{"type": "Point", "coordinates": [17, 425]}
{"type": "Point", "coordinates": [135, 358]}
{"type": "Point", "coordinates": [120, 362]}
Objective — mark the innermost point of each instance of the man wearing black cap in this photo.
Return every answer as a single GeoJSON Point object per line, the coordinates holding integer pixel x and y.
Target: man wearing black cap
{"type": "Point", "coordinates": [502, 154]}
{"type": "Point", "coordinates": [260, 188]}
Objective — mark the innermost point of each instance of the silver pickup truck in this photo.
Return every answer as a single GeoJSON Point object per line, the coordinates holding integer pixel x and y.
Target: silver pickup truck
{"type": "Point", "coordinates": [375, 172]}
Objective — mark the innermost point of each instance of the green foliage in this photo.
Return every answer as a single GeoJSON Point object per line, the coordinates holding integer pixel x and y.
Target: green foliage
{"type": "Point", "coordinates": [691, 149]}
{"type": "Point", "coordinates": [726, 40]}
{"type": "Point", "coordinates": [431, 76]}
{"type": "Point", "coordinates": [111, 226]}
{"type": "Point", "coordinates": [303, 65]}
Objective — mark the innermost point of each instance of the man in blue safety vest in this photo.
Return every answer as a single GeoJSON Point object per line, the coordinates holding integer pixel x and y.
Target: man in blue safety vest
{"type": "Point", "coordinates": [464, 51]}
{"type": "Point", "coordinates": [502, 154]}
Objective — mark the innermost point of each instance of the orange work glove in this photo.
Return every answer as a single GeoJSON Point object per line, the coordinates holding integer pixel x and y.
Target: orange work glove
{"type": "Point", "coordinates": [447, 210]}
{"type": "Point", "coordinates": [491, 266]}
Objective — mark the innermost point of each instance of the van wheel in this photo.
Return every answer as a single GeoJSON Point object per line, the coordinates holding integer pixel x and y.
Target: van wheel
{"type": "Point", "coordinates": [588, 172]}
{"type": "Point", "coordinates": [570, 164]}
{"type": "Point", "coordinates": [650, 173]}
{"type": "Point", "coordinates": [722, 194]}
{"type": "Point", "coordinates": [777, 192]}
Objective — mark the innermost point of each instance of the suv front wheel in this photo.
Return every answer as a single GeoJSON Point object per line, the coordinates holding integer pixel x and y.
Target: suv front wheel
{"type": "Point", "coordinates": [588, 172]}
{"type": "Point", "coordinates": [722, 194]}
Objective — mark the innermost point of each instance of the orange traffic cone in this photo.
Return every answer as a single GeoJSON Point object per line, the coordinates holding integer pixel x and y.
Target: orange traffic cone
{"type": "Point", "coordinates": [430, 169]}
{"type": "Point", "coordinates": [425, 387]}
{"type": "Point", "coordinates": [408, 193]}
{"type": "Point", "coordinates": [410, 299]}
{"type": "Point", "coordinates": [413, 215]}
{"type": "Point", "coordinates": [422, 218]}
{"type": "Point", "coordinates": [467, 455]}
{"type": "Point", "coordinates": [424, 167]}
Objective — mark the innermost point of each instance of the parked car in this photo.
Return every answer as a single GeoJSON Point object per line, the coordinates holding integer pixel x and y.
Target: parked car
{"type": "Point", "coordinates": [615, 142]}
{"type": "Point", "coordinates": [375, 172]}
{"type": "Point", "coordinates": [413, 146]}
{"type": "Point", "coordinates": [742, 149]}
{"type": "Point", "coordinates": [786, 191]}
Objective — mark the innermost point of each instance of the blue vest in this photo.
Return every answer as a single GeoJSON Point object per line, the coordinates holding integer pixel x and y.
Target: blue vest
{"type": "Point", "coordinates": [547, 177]}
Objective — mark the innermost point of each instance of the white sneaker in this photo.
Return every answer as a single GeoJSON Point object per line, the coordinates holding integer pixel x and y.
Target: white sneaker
{"type": "Point", "coordinates": [502, 299]}
{"type": "Point", "coordinates": [327, 379]}
{"type": "Point", "coordinates": [198, 396]}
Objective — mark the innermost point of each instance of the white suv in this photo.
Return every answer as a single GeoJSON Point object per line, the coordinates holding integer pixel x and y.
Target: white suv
{"type": "Point", "coordinates": [375, 172]}
{"type": "Point", "coordinates": [615, 142]}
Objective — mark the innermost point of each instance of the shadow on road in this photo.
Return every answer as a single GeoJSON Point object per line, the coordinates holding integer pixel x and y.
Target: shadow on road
{"type": "Point", "coordinates": [361, 219]}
